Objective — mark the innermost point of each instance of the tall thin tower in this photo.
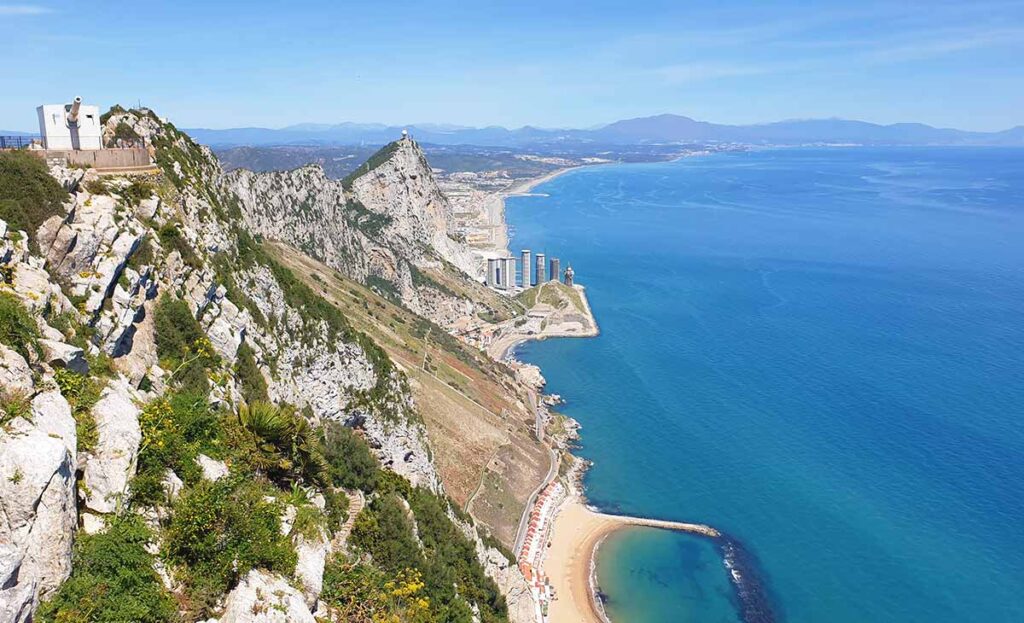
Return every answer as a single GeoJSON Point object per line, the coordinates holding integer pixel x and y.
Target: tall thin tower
{"type": "Point", "coordinates": [542, 269]}
{"type": "Point", "coordinates": [510, 272]}
{"type": "Point", "coordinates": [527, 269]}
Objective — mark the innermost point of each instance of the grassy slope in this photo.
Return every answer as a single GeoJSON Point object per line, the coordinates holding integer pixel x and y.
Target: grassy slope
{"type": "Point", "coordinates": [555, 294]}
{"type": "Point", "coordinates": [477, 417]}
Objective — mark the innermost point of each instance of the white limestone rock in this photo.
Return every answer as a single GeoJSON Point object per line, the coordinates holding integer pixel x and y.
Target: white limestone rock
{"type": "Point", "coordinates": [225, 327]}
{"type": "Point", "coordinates": [16, 597]}
{"type": "Point", "coordinates": [51, 414]}
{"type": "Point", "coordinates": [172, 485]}
{"type": "Point", "coordinates": [213, 470]}
{"type": "Point", "coordinates": [37, 503]}
{"type": "Point", "coordinates": [68, 177]}
{"type": "Point", "coordinates": [61, 355]}
{"type": "Point", "coordinates": [15, 375]}
{"type": "Point", "coordinates": [32, 285]}
{"type": "Point", "coordinates": [262, 597]}
{"type": "Point", "coordinates": [309, 568]}
{"type": "Point", "coordinates": [113, 462]}
{"type": "Point", "coordinates": [92, 523]}
{"type": "Point", "coordinates": [147, 208]}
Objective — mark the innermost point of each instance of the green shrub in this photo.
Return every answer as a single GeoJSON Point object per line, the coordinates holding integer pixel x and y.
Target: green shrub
{"type": "Point", "coordinates": [446, 560]}
{"type": "Point", "coordinates": [112, 580]}
{"type": "Point", "coordinates": [384, 288]}
{"type": "Point", "coordinates": [136, 191]}
{"type": "Point", "coordinates": [97, 186]}
{"type": "Point", "coordinates": [251, 383]}
{"type": "Point", "coordinates": [335, 507]}
{"type": "Point", "coordinates": [81, 392]}
{"type": "Point", "coordinates": [383, 530]}
{"type": "Point", "coordinates": [28, 194]}
{"type": "Point", "coordinates": [279, 443]}
{"type": "Point", "coordinates": [14, 404]}
{"type": "Point", "coordinates": [18, 329]}
{"type": "Point", "coordinates": [143, 255]}
{"type": "Point", "coordinates": [360, 593]}
{"type": "Point", "coordinates": [182, 346]}
{"type": "Point", "coordinates": [175, 429]}
{"type": "Point", "coordinates": [352, 464]}
{"type": "Point", "coordinates": [126, 132]}
{"type": "Point", "coordinates": [173, 240]}
{"type": "Point", "coordinates": [309, 522]}
{"type": "Point", "coordinates": [450, 559]}
{"type": "Point", "coordinates": [115, 109]}
{"type": "Point", "coordinates": [218, 532]}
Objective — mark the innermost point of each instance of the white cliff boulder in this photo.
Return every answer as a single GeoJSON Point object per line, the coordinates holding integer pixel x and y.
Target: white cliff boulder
{"type": "Point", "coordinates": [37, 501]}
{"type": "Point", "coordinates": [16, 597]}
{"type": "Point", "coordinates": [213, 469]}
{"type": "Point", "coordinates": [113, 461]}
{"type": "Point", "coordinates": [15, 375]}
{"type": "Point", "coordinates": [51, 414]}
{"type": "Point", "coordinates": [172, 485]}
{"type": "Point", "coordinates": [262, 597]}
{"type": "Point", "coordinates": [309, 568]}
{"type": "Point", "coordinates": [61, 355]}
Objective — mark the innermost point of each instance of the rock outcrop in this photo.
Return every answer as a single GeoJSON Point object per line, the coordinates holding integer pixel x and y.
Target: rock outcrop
{"type": "Point", "coordinates": [420, 221]}
{"type": "Point", "coordinates": [386, 225]}
{"type": "Point", "coordinates": [262, 597]}
{"type": "Point", "coordinates": [112, 463]}
{"type": "Point", "coordinates": [37, 500]}
{"type": "Point", "coordinates": [309, 569]}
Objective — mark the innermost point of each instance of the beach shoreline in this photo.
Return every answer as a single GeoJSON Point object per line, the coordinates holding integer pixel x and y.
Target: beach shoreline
{"type": "Point", "coordinates": [495, 205]}
{"type": "Point", "coordinates": [576, 530]}
{"type": "Point", "coordinates": [577, 533]}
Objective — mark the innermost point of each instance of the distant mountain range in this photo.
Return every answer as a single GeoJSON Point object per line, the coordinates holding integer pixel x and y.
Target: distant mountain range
{"type": "Point", "coordinates": [658, 129]}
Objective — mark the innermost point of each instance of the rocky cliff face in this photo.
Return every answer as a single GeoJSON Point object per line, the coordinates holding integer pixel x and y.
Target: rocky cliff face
{"type": "Point", "coordinates": [387, 225]}
{"type": "Point", "coordinates": [91, 284]}
{"type": "Point", "coordinates": [401, 188]}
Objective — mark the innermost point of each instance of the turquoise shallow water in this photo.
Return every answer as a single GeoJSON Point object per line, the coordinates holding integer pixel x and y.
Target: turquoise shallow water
{"type": "Point", "coordinates": [819, 352]}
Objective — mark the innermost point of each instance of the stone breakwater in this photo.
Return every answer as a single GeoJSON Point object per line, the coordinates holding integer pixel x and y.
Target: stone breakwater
{"type": "Point", "coordinates": [755, 604]}
{"type": "Point", "coordinates": [694, 528]}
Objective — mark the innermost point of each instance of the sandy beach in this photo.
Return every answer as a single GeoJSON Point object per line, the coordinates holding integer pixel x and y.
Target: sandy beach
{"type": "Point", "coordinates": [576, 534]}
{"type": "Point", "coordinates": [495, 206]}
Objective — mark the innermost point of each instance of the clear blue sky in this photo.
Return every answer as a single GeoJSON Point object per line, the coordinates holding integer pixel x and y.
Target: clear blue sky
{"type": "Point", "coordinates": [551, 63]}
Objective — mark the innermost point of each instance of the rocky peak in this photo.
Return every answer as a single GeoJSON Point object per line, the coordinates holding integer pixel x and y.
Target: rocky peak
{"type": "Point", "coordinates": [398, 182]}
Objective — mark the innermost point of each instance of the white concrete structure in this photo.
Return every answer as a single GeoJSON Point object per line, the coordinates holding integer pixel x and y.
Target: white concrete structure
{"type": "Point", "coordinates": [71, 126]}
{"type": "Point", "coordinates": [527, 268]}
{"type": "Point", "coordinates": [492, 272]}
{"type": "Point", "coordinates": [510, 273]}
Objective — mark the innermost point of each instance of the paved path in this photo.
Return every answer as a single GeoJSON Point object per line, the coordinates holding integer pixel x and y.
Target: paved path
{"type": "Point", "coordinates": [356, 502]}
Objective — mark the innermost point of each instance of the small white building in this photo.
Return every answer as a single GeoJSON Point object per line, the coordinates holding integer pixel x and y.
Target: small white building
{"type": "Point", "coordinates": [73, 126]}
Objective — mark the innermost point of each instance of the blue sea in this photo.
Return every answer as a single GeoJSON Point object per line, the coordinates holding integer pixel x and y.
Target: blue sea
{"type": "Point", "coordinates": [820, 352]}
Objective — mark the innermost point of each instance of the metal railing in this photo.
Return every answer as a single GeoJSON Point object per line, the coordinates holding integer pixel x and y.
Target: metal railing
{"type": "Point", "coordinates": [16, 142]}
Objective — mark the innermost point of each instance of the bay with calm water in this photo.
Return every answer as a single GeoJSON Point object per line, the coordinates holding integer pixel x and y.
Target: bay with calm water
{"type": "Point", "coordinates": [820, 352]}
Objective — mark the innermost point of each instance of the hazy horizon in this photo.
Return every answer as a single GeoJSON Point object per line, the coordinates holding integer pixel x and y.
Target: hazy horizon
{"type": "Point", "coordinates": [550, 65]}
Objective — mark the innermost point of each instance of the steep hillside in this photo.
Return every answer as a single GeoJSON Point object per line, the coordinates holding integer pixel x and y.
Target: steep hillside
{"type": "Point", "coordinates": [386, 225]}
{"type": "Point", "coordinates": [478, 413]}
{"type": "Point", "coordinates": [178, 408]}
